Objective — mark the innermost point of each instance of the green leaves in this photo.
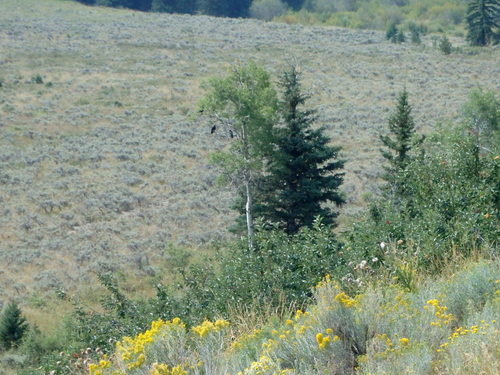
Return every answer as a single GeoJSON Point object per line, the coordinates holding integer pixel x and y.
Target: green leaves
{"type": "Point", "coordinates": [244, 105]}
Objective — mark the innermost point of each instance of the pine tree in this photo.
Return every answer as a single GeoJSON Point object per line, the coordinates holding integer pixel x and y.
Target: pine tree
{"type": "Point", "coordinates": [483, 17]}
{"type": "Point", "coordinates": [392, 31]}
{"type": "Point", "coordinates": [303, 174]}
{"type": "Point", "coordinates": [398, 149]}
{"type": "Point", "coordinates": [445, 45]}
{"type": "Point", "coordinates": [12, 326]}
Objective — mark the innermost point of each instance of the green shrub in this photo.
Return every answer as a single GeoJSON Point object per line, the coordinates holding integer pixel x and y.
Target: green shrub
{"type": "Point", "coordinates": [281, 268]}
{"type": "Point", "coordinates": [391, 32]}
{"type": "Point", "coordinates": [445, 45]}
{"type": "Point", "coordinates": [37, 79]}
{"type": "Point", "coordinates": [450, 208]}
{"type": "Point", "coordinates": [13, 326]}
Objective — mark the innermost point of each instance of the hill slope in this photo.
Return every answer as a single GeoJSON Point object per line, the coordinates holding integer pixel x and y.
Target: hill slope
{"type": "Point", "coordinates": [100, 160]}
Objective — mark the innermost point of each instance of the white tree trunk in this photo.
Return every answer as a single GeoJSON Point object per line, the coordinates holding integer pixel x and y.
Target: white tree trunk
{"type": "Point", "coordinates": [248, 211]}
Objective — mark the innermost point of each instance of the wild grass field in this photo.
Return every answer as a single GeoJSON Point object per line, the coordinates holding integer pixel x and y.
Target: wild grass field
{"type": "Point", "coordinates": [104, 163]}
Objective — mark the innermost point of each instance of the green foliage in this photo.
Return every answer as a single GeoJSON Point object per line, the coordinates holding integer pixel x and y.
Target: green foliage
{"type": "Point", "coordinates": [294, 4]}
{"type": "Point", "coordinates": [483, 21]}
{"type": "Point", "coordinates": [445, 45]}
{"type": "Point", "coordinates": [415, 32]}
{"type": "Point", "coordinates": [38, 79]}
{"type": "Point", "coordinates": [121, 316]}
{"type": "Point", "coordinates": [400, 37]}
{"type": "Point", "coordinates": [449, 207]}
{"type": "Point", "coordinates": [13, 326]}
{"type": "Point", "coordinates": [439, 15]}
{"type": "Point", "coordinates": [392, 31]}
{"type": "Point", "coordinates": [244, 104]}
{"type": "Point", "coordinates": [399, 144]}
{"type": "Point", "coordinates": [482, 116]}
{"type": "Point", "coordinates": [281, 269]}
{"type": "Point", "coordinates": [167, 6]}
{"type": "Point", "coordinates": [226, 8]}
{"type": "Point", "coordinates": [303, 173]}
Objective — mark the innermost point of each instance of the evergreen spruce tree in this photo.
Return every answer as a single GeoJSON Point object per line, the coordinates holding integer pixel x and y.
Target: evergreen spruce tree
{"type": "Point", "coordinates": [483, 20]}
{"type": "Point", "coordinates": [445, 45]}
{"type": "Point", "coordinates": [399, 147]}
{"type": "Point", "coordinates": [392, 31]}
{"type": "Point", "coordinates": [304, 171]}
{"type": "Point", "coordinates": [12, 326]}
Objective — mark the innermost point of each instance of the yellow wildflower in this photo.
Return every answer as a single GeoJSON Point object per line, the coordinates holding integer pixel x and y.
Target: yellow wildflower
{"type": "Point", "coordinates": [404, 341]}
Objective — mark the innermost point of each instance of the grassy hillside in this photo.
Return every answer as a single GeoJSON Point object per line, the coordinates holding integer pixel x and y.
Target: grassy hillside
{"type": "Point", "coordinates": [102, 163]}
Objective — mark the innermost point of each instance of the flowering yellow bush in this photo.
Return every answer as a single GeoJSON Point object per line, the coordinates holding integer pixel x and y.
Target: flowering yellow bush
{"type": "Point", "coordinates": [97, 368]}
{"type": "Point", "coordinates": [379, 332]}
{"type": "Point", "coordinates": [207, 327]}
{"type": "Point", "coordinates": [131, 350]}
{"type": "Point", "coordinates": [345, 300]}
{"type": "Point", "coordinates": [265, 366]}
{"type": "Point", "coordinates": [439, 313]}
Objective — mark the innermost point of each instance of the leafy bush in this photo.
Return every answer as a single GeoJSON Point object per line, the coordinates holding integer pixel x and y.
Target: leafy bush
{"type": "Point", "coordinates": [281, 268]}
{"type": "Point", "coordinates": [450, 206]}
{"type": "Point", "coordinates": [445, 45]}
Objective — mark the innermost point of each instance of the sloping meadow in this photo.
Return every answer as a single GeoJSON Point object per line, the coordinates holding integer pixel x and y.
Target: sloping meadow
{"type": "Point", "coordinates": [103, 161]}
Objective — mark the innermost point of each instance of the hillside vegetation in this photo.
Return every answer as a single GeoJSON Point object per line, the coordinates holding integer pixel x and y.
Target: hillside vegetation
{"type": "Point", "coordinates": [444, 326]}
{"type": "Point", "coordinates": [115, 255]}
{"type": "Point", "coordinates": [433, 15]}
{"type": "Point", "coordinates": [101, 163]}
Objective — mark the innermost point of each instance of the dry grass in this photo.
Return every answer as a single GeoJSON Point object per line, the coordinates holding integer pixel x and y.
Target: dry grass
{"type": "Point", "coordinates": [102, 165]}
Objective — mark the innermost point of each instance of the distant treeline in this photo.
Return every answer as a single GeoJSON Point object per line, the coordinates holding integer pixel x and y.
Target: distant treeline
{"type": "Point", "coordinates": [436, 15]}
{"type": "Point", "coordinates": [224, 8]}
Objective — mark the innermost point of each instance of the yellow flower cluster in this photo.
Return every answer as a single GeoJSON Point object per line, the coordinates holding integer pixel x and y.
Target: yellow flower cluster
{"type": "Point", "coordinates": [245, 339]}
{"type": "Point", "coordinates": [404, 341]}
{"type": "Point", "coordinates": [98, 368]}
{"type": "Point", "coordinates": [345, 300]}
{"type": "Point", "coordinates": [163, 369]}
{"type": "Point", "coordinates": [390, 347]}
{"type": "Point", "coordinates": [323, 340]}
{"type": "Point", "coordinates": [324, 282]}
{"type": "Point", "coordinates": [463, 331]}
{"type": "Point", "coordinates": [131, 350]}
{"type": "Point", "coordinates": [439, 313]}
{"type": "Point", "coordinates": [207, 327]}
{"type": "Point", "coordinates": [265, 366]}
{"type": "Point", "coordinates": [299, 314]}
